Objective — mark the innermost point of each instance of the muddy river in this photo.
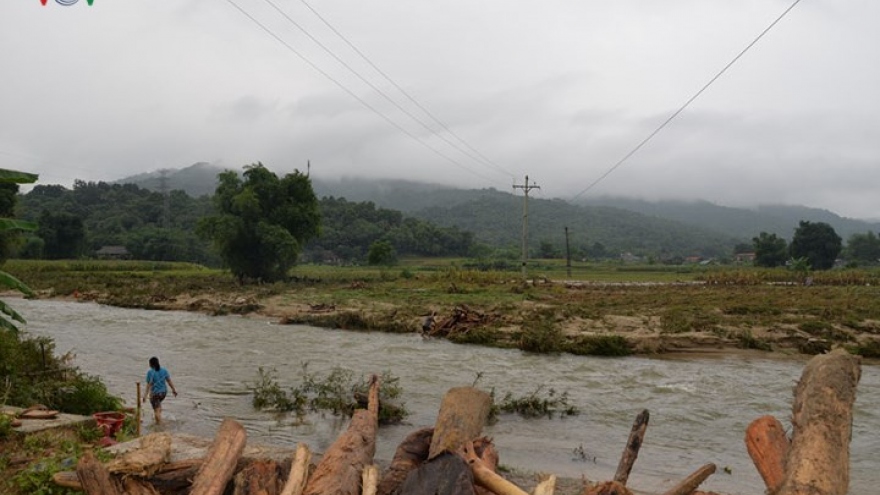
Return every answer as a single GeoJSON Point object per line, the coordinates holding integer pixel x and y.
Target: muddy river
{"type": "Point", "coordinates": [699, 406]}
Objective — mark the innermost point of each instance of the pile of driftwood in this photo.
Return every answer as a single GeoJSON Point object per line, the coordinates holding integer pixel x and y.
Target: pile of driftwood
{"type": "Point", "coordinates": [453, 458]}
{"type": "Point", "coordinates": [461, 321]}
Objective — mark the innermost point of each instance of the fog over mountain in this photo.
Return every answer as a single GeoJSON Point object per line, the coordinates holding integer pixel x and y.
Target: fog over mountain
{"type": "Point", "coordinates": [419, 198]}
{"type": "Point", "coordinates": [470, 95]}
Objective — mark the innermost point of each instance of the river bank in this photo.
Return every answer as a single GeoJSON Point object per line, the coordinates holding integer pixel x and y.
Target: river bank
{"type": "Point", "coordinates": [547, 316]}
{"type": "Point", "coordinates": [618, 310]}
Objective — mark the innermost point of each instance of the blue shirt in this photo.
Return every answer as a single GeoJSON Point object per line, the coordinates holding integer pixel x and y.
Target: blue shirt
{"type": "Point", "coordinates": [156, 380]}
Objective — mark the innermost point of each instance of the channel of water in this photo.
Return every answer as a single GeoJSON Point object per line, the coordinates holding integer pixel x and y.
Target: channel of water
{"type": "Point", "coordinates": [699, 405]}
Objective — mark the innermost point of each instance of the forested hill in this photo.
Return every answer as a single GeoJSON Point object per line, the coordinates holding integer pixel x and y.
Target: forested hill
{"type": "Point", "coordinates": [409, 196]}
{"type": "Point", "coordinates": [781, 220]}
{"type": "Point", "coordinates": [619, 224]}
{"type": "Point", "coordinates": [496, 219]}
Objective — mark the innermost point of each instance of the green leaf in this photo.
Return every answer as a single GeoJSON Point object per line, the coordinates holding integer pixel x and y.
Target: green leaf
{"type": "Point", "coordinates": [17, 177]}
{"type": "Point", "coordinates": [8, 311]}
{"type": "Point", "coordinates": [13, 224]}
{"type": "Point", "coordinates": [7, 325]}
{"type": "Point", "coordinates": [10, 282]}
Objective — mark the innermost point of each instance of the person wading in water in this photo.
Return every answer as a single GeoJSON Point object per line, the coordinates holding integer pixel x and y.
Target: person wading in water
{"type": "Point", "coordinates": [157, 376]}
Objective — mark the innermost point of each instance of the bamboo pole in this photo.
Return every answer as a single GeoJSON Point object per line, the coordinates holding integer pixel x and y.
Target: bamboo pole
{"type": "Point", "coordinates": [138, 411]}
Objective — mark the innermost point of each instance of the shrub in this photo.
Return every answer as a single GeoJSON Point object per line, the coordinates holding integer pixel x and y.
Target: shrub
{"type": "Point", "coordinates": [868, 349]}
{"type": "Point", "coordinates": [600, 345]}
{"type": "Point", "coordinates": [541, 335]}
{"type": "Point", "coordinates": [746, 340]}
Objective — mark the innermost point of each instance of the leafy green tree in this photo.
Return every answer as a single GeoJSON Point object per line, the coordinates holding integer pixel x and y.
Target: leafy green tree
{"type": "Point", "coordinates": [864, 248]}
{"type": "Point", "coordinates": [547, 250]}
{"type": "Point", "coordinates": [770, 250]}
{"type": "Point", "coordinates": [818, 242]}
{"type": "Point", "coordinates": [382, 253]}
{"type": "Point", "coordinates": [263, 221]}
{"type": "Point", "coordinates": [63, 235]}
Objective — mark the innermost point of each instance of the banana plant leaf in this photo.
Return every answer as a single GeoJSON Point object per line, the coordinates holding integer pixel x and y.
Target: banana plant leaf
{"type": "Point", "coordinates": [13, 224]}
{"type": "Point", "coordinates": [17, 177]}
{"type": "Point", "coordinates": [8, 311]}
{"type": "Point", "coordinates": [10, 282]}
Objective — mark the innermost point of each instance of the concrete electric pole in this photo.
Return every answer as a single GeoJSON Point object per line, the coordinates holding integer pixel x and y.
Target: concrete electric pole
{"type": "Point", "coordinates": [525, 226]}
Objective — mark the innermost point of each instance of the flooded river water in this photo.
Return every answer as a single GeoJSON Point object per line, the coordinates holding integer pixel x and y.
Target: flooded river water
{"type": "Point", "coordinates": [700, 406]}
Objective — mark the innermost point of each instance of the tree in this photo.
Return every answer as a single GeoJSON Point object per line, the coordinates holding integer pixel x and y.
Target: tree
{"type": "Point", "coordinates": [63, 235]}
{"type": "Point", "coordinates": [263, 221]}
{"type": "Point", "coordinates": [382, 253]}
{"type": "Point", "coordinates": [864, 248]}
{"type": "Point", "coordinates": [770, 251]}
{"type": "Point", "coordinates": [818, 242]}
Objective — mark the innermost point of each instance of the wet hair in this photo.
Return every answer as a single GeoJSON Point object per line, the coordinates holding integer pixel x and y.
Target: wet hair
{"type": "Point", "coordinates": [154, 363]}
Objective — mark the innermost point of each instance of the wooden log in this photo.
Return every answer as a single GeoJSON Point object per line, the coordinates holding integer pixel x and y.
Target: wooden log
{"type": "Point", "coordinates": [154, 452]}
{"type": "Point", "coordinates": [138, 486]}
{"type": "Point", "coordinates": [299, 471]}
{"type": "Point", "coordinates": [258, 478]}
{"type": "Point", "coordinates": [818, 461]}
{"type": "Point", "coordinates": [633, 444]}
{"type": "Point", "coordinates": [409, 455]}
{"type": "Point", "coordinates": [182, 471]}
{"type": "Point", "coordinates": [446, 474]}
{"type": "Point", "coordinates": [370, 480]}
{"type": "Point", "coordinates": [547, 486]}
{"type": "Point", "coordinates": [463, 413]}
{"type": "Point", "coordinates": [486, 477]}
{"type": "Point", "coordinates": [221, 459]}
{"type": "Point", "coordinates": [94, 477]}
{"type": "Point", "coordinates": [768, 447]}
{"type": "Point", "coordinates": [339, 472]}
{"type": "Point", "coordinates": [608, 488]}
{"type": "Point", "coordinates": [689, 484]}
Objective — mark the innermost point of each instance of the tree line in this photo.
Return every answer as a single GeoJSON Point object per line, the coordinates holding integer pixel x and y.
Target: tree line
{"type": "Point", "coordinates": [817, 245]}
{"type": "Point", "coordinates": [248, 214]}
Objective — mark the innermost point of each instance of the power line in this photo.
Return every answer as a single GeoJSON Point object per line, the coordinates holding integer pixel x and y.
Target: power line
{"type": "Point", "coordinates": [402, 91]}
{"type": "Point", "coordinates": [687, 103]}
{"type": "Point", "coordinates": [371, 85]}
{"type": "Point", "coordinates": [352, 94]}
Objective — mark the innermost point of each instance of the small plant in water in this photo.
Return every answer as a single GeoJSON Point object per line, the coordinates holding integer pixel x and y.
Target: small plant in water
{"type": "Point", "coordinates": [536, 404]}
{"type": "Point", "coordinates": [337, 393]}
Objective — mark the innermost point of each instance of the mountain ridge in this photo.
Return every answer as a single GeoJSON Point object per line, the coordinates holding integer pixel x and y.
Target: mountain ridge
{"type": "Point", "coordinates": [707, 225]}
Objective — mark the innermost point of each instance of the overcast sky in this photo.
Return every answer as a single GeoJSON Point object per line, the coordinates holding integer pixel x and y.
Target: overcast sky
{"type": "Point", "coordinates": [558, 90]}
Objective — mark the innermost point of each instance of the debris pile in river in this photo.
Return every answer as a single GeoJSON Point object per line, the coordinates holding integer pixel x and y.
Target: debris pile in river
{"type": "Point", "coordinates": [453, 458]}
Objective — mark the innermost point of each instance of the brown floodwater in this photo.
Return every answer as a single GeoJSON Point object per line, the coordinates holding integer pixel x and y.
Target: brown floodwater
{"type": "Point", "coordinates": [700, 405]}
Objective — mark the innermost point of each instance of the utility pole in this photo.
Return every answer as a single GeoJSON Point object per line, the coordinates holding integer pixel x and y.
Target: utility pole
{"type": "Point", "coordinates": [567, 255]}
{"type": "Point", "coordinates": [525, 228]}
{"type": "Point", "coordinates": [166, 198]}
